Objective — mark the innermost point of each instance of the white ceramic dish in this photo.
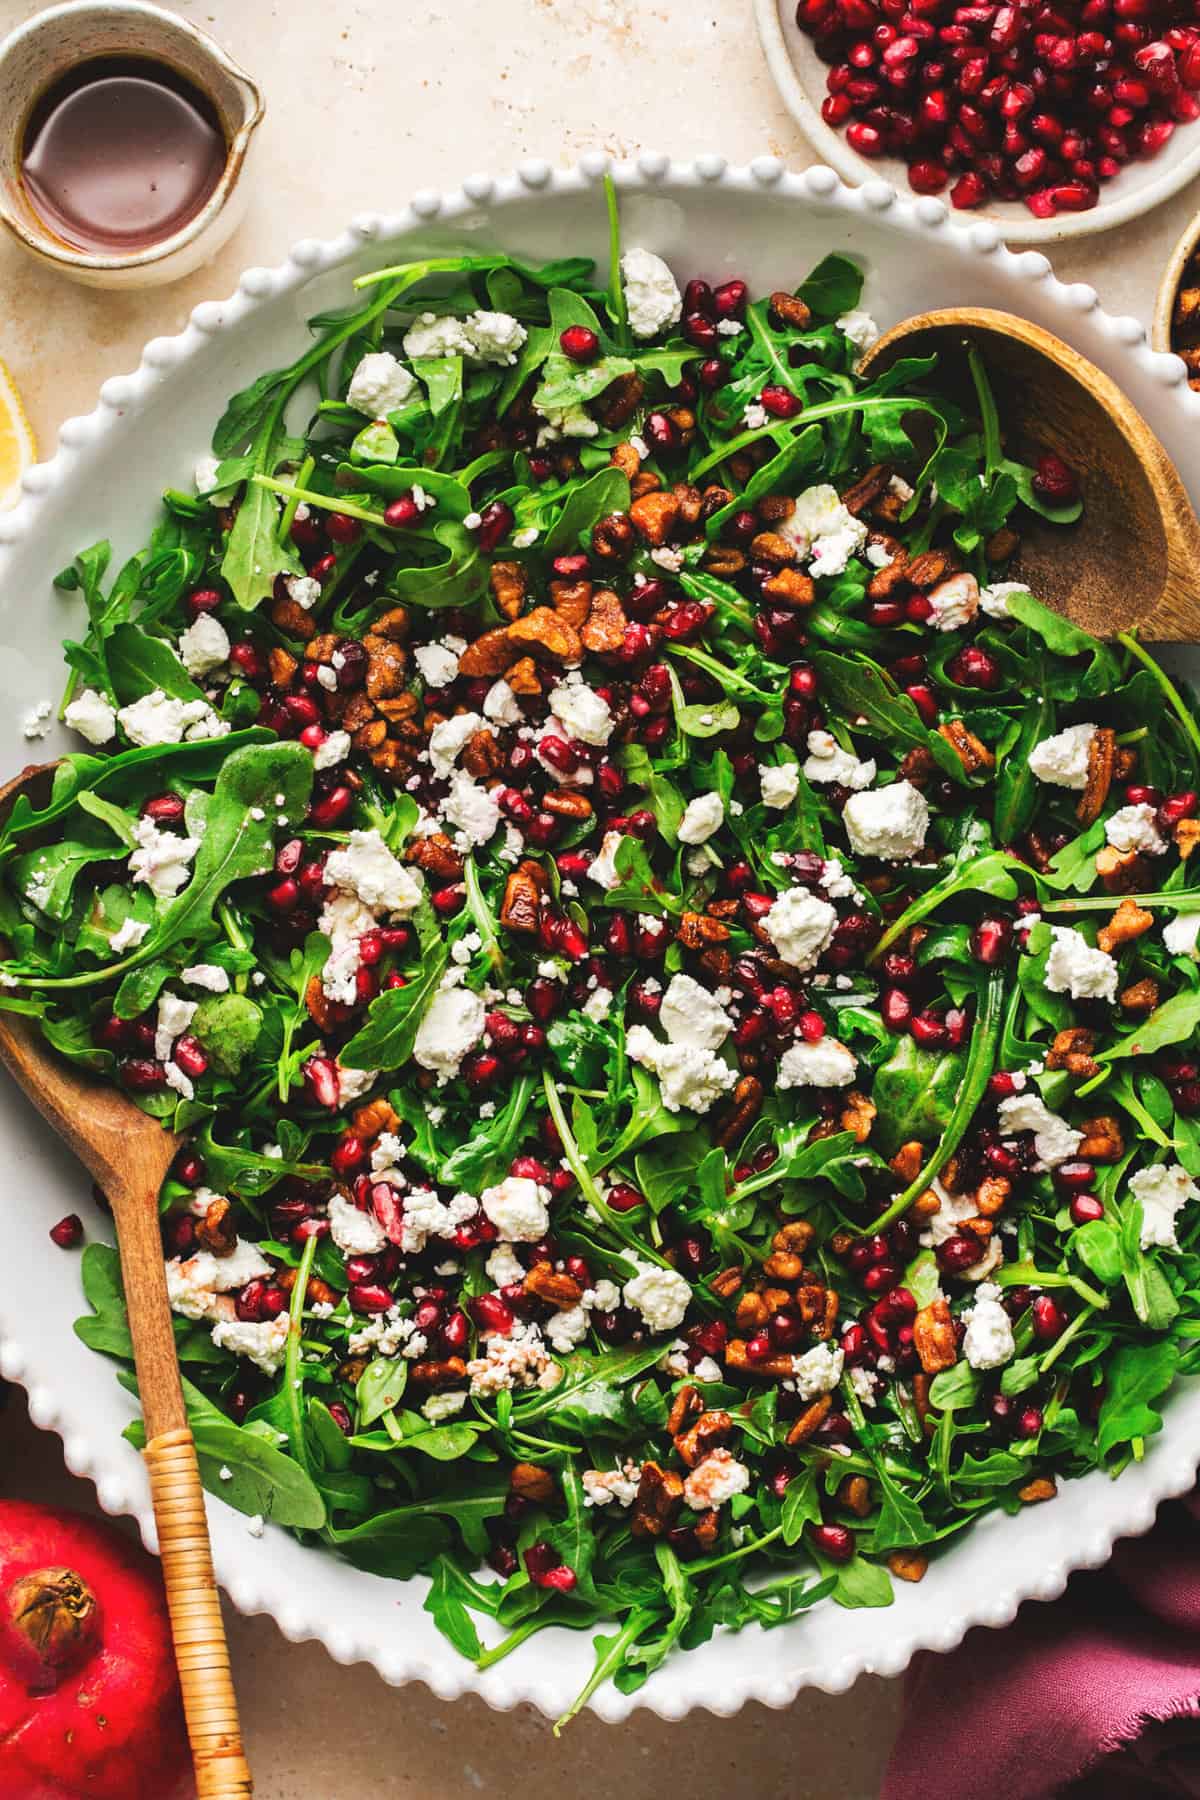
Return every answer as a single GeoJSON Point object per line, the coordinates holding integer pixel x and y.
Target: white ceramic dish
{"type": "Point", "coordinates": [799, 74]}
{"type": "Point", "coordinates": [148, 429]}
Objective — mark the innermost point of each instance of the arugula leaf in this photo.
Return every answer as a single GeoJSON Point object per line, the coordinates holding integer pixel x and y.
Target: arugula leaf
{"type": "Point", "coordinates": [394, 1018]}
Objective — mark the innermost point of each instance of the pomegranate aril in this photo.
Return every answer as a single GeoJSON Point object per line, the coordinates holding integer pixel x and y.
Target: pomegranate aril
{"type": "Point", "coordinates": [68, 1232]}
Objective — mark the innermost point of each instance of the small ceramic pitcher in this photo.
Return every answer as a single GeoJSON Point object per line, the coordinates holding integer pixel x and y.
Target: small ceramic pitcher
{"type": "Point", "coordinates": [39, 53]}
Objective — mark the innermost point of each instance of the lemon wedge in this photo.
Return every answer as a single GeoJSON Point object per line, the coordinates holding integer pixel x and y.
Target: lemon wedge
{"type": "Point", "coordinates": [18, 451]}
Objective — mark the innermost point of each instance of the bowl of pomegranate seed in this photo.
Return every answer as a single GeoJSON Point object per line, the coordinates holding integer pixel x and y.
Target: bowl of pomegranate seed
{"type": "Point", "coordinates": [1050, 121]}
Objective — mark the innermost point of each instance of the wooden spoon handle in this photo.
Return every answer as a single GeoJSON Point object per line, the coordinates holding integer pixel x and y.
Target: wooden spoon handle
{"type": "Point", "coordinates": [201, 1652]}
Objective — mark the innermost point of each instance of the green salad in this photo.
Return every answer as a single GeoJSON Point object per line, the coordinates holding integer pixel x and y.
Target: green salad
{"type": "Point", "coordinates": [677, 973]}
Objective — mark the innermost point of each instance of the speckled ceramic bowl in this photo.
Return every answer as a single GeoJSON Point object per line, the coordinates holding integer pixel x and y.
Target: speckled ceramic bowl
{"type": "Point", "coordinates": [104, 479]}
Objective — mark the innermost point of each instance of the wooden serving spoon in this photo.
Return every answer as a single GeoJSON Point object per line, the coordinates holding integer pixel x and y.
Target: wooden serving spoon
{"type": "Point", "coordinates": [128, 1153]}
{"type": "Point", "coordinates": [1132, 562]}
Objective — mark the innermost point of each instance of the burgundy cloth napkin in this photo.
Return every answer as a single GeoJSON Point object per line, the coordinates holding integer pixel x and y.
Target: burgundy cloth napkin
{"type": "Point", "coordinates": [1095, 1696]}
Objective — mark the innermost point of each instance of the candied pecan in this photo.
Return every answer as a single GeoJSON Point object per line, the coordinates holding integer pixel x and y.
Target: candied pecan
{"type": "Point", "coordinates": [1141, 997]}
{"type": "Point", "coordinates": [376, 1116]}
{"type": "Point", "coordinates": [770, 1368]}
{"type": "Point", "coordinates": [772, 550]}
{"type": "Point", "coordinates": [713, 500]}
{"type": "Point", "coordinates": [710, 1429]}
{"type": "Point", "coordinates": [436, 856]}
{"type": "Point", "coordinates": [529, 1482]}
{"type": "Point", "coordinates": [659, 1497]}
{"type": "Point", "coordinates": [546, 635]}
{"type": "Point", "coordinates": [908, 1565]}
{"type": "Point", "coordinates": [686, 1405]}
{"type": "Point", "coordinates": [521, 909]}
{"type": "Point", "coordinates": [1038, 851]}
{"type": "Point", "coordinates": [316, 1292]}
{"type": "Point", "coordinates": [508, 582]}
{"type": "Point", "coordinates": [697, 930]}
{"type": "Point", "coordinates": [359, 711]}
{"type": "Point", "coordinates": [718, 965]}
{"type": "Point", "coordinates": [523, 678]}
{"type": "Point", "coordinates": [707, 1527]}
{"type": "Point", "coordinates": [784, 1265]}
{"type": "Point", "coordinates": [1187, 306]}
{"type": "Point", "coordinates": [293, 620]}
{"type": "Point", "coordinates": [810, 1420]}
{"type": "Point", "coordinates": [885, 582]}
{"type": "Point", "coordinates": [644, 482]}
{"type": "Point", "coordinates": [392, 624]}
{"type": "Point", "coordinates": [353, 1369]}
{"type": "Point", "coordinates": [1101, 751]}
{"type": "Point", "coordinates": [613, 537]}
{"type": "Point", "coordinates": [567, 803]}
{"type": "Point", "coordinates": [788, 587]}
{"type": "Point", "coordinates": [691, 503]}
{"type": "Point", "coordinates": [1186, 833]}
{"type": "Point", "coordinates": [370, 735]}
{"type": "Point", "coordinates": [1041, 1488]}
{"type": "Point", "coordinates": [620, 400]}
{"type": "Point", "coordinates": [817, 1306]}
{"type": "Point", "coordinates": [723, 560]}
{"type": "Point", "coordinates": [571, 601]}
{"type": "Point", "coordinates": [1072, 1050]}
{"type": "Point", "coordinates": [216, 1231]}
{"type": "Point", "coordinates": [932, 566]}
{"type": "Point", "coordinates": [773, 509]}
{"type": "Point", "coordinates": [283, 666]}
{"type": "Point", "coordinates": [751, 1312]}
{"type": "Point", "coordinates": [918, 765]}
{"type": "Point", "coordinates": [920, 1394]}
{"type": "Point", "coordinates": [321, 1009]}
{"type": "Point", "coordinates": [1120, 871]}
{"type": "Point", "coordinates": [739, 1116]}
{"type": "Point", "coordinates": [971, 753]}
{"type": "Point", "coordinates": [404, 706]}
{"type": "Point", "coordinates": [934, 1338]}
{"type": "Point", "coordinates": [655, 517]}
{"type": "Point", "coordinates": [726, 1284]}
{"type": "Point", "coordinates": [776, 1298]}
{"type": "Point", "coordinates": [1102, 1140]}
{"type": "Point", "coordinates": [993, 1194]}
{"type": "Point", "coordinates": [788, 310]}
{"type": "Point", "coordinates": [545, 1282]}
{"type": "Point", "coordinates": [447, 1373]}
{"type": "Point", "coordinates": [1002, 546]}
{"type": "Point", "coordinates": [321, 649]}
{"type": "Point", "coordinates": [906, 1164]}
{"type": "Point", "coordinates": [626, 458]}
{"type": "Point", "coordinates": [855, 1495]}
{"type": "Point", "coordinates": [605, 626]}
{"type": "Point", "coordinates": [723, 909]}
{"type": "Point", "coordinates": [926, 1205]}
{"type": "Point", "coordinates": [858, 1115]}
{"type": "Point", "coordinates": [977, 1228]}
{"type": "Point", "coordinates": [490, 654]}
{"type": "Point", "coordinates": [392, 759]}
{"type": "Point", "coordinates": [867, 489]}
{"type": "Point", "coordinates": [1128, 922]}
{"type": "Point", "coordinates": [482, 756]}
{"type": "Point", "coordinates": [797, 1235]}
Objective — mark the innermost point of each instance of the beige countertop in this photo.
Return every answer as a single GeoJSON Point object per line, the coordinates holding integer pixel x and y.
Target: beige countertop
{"type": "Point", "coordinates": [366, 102]}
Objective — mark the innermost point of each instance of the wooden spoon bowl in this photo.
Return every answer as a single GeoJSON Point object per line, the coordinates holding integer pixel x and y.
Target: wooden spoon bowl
{"type": "Point", "coordinates": [1132, 561]}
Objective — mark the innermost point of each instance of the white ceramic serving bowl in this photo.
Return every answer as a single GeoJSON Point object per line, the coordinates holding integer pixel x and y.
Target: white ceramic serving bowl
{"type": "Point", "coordinates": [770, 227]}
{"type": "Point", "coordinates": [799, 74]}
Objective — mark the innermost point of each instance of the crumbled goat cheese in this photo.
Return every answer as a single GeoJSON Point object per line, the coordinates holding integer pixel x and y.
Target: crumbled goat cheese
{"type": "Point", "coordinates": [264, 1344]}
{"type": "Point", "coordinates": [177, 1081]}
{"type": "Point", "coordinates": [438, 666]}
{"type": "Point", "coordinates": [1062, 759]}
{"type": "Point", "coordinates": [496, 337]}
{"type": "Point", "coordinates": [1163, 1192]}
{"type": "Point", "coordinates": [344, 921]}
{"type": "Point", "coordinates": [501, 705]}
{"type": "Point", "coordinates": [519, 1360]}
{"type": "Point", "coordinates": [823, 531]}
{"type": "Point", "coordinates": [602, 1486]}
{"type": "Point", "coordinates": [818, 1371]}
{"type": "Point", "coordinates": [994, 599]}
{"type": "Point", "coordinates": [356, 1233]}
{"type": "Point", "coordinates": [334, 750]}
{"type": "Point", "coordinates": [204, 646]}
{"type": "Point", "coordinates": [582, 713]}
{"type": "Point", "coordinates": [432, 336]}
{"type": "Point", "coordinates": [306, 591]}
{"type": "Point", "coordinates": [444, 1406]}
{"type": "Point", "coordinates": [567, 1328]}
{"type": "Point", "coordinates": [473, 809]}
{"type": "Point", "coordinates": [989, 1342]}
{"type": "Point", "coordinates": [859, 327]}
{"type": "Point", "coordinates": [598, 1005]}
{"type": "Point", "coordinates": [174, 1017]}
{"type": "Point", "coordinates": [354, 1083]}
{"type": "Point", "coordinates": [206, 478]}
{"type": "Point", "coordinates": [779, 786]}
{"type": "Point", "coordinates": [504, 1268]}
{"type": "Point", "coordinates": [955, 602]}
{"type": "Point", "coordinates": [828, 762]}
{"type": "Point", "coordinates": [37, 720]}
{"type": "Point", "coordinates": [1054, 1140]}
{"type": "Point", "coordinates": [161, 859]}
{"type": "Point", "coordinates": [800, 926]}
{"type": "Point", "coordinates": [603, 868]}
{"type": "Point", "coordinates": [452, 1026]}
{"type": "Point", "coordinates": [1135, 828]}
{"type": "Point", "coordinates": [826, 1063]}
{"type": "Point", "coordinates": [388, 1334]}
{"type": "Point", "coordinates": [1074, 968]}
{"type": "Point", "coordinates": [754, 416]}
{"type": "Point", "coordinates": [692, 1015]}
{"type": "Point", "coordinates": [367, 868]}
{"type": "Point", "coordinates": [702, 817]}
{"type": "Point", "coordinates": [129, 935]}
{"type": "Point", "coordinates": [201, 975]}
{"type": "Point", "coordinates": [667, 558]}
{"type": "Point", "coordinates": [662, 1296]}
{"type": "Point", "coordinates": [714, 1481]}
{"type": "Point", "coordinates": [688, 1077]}
{"type": "Point", "coordinates": [159, 719]}
{"type": "Point", "coordinates": [889, 822]}
{"type": "Point", "coordinates": [449, 739]}
{"type": "Point", "coordinates": [518, 1208]}
{"type": "Point", "coordinates": [91, 716]}
{"type": "Point", "coordinates": [1180, 933]}
{"type": "Point", "coordinates": [652, 298]}
{"type": "Point", "coordinates": [380, 385]}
